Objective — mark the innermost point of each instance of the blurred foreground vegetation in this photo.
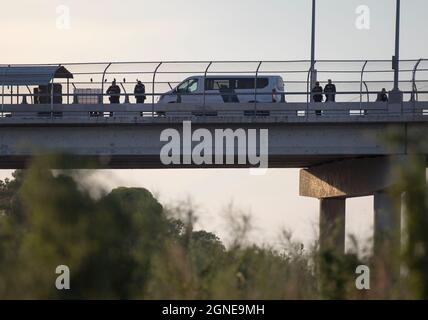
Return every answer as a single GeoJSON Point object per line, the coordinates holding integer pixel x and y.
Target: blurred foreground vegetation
{"type": "Point", "coordinates": [124, 244]}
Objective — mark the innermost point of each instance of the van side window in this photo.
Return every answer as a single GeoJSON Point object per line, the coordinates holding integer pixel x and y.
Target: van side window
{"type": "Point", "coordinates": [248, 83]}
{"type": "Point", "coordinates": [262, 83]}
{"type": "Point", "coordinates": [236, 83]}
{"type": "Point", "coordinates": [217, 84]}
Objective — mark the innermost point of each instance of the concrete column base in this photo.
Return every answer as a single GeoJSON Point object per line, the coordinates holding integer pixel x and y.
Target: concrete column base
{"type": "Point", "coordinates": [332, 224]}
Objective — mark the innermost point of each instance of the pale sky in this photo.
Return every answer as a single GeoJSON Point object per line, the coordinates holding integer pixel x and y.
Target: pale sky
{"type": "Point", "coordinates": [141, 30]}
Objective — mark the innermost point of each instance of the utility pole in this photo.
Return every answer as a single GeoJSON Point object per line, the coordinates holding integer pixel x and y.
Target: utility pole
{"type": "Point", "coordinates": [313, 72]}
{"type": "Point", "coordinates": [313, 33]}
{"type": "Point", "coordinates": [396, 95]}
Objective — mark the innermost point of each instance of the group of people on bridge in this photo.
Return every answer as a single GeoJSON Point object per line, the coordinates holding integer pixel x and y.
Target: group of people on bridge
{"type": "Point", "coordinates": [114, 92]}
{"type": "Point", "coordinates": [330, 93]}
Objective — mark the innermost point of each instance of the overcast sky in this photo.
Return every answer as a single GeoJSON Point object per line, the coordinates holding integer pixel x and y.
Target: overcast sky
{"type": "Point", "coordinates": [139, 30]}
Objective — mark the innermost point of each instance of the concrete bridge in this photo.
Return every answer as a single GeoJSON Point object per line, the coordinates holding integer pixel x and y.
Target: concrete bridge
{"type": "Point", "coordinates": [340, 147]}
{"type": "Point", "coordinates": [342, 153]}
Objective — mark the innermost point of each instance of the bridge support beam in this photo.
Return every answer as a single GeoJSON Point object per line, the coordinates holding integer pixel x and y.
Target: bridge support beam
{"type": "Point", "coordinates": [332, 225]}
{"type": "Point", "coordinates": [348, 178]}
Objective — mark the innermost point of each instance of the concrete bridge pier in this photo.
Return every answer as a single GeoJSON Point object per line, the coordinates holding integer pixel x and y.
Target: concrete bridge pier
{"type": "Point", "coordinates": [335, 182]}
{"type": "Point", "coordinates": [332, 224]}
{"type": "Point", "coordinates": [387, 222]}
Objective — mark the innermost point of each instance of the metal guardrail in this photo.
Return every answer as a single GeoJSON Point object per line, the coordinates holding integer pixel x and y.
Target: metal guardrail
{"type": "Point", "coordinates": [356, 80]}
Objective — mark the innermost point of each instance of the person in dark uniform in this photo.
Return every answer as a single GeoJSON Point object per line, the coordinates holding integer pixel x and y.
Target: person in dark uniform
{"type": "Point", "coordinates": [382, 96]}
{"type": "Point", "coordinates": [330, 92]}
{"type": "Point", "coordinates": [114, 92]}
{"type": "Point", "coordinates": [140, 92]}
{"type": "Point", "coordinates": [317, 92]}
{"type": "Point", "coordinates": [317, 96]}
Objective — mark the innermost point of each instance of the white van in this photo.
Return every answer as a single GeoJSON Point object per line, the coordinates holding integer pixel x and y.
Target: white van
{"type": "Point", "coordinates": [227, 89]}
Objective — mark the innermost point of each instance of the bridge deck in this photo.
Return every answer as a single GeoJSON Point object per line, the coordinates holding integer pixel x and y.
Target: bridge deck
{"type": "Point", "coordinates": [352, 112]}
{"type": "Point", "coordinates": [130, 138]}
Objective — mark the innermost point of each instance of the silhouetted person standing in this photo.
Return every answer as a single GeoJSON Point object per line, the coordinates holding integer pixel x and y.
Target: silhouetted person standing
{"type": "Point", "coordinates": [140, 92]}
{"type": "Point", "coordinates": [317, 92]}
{"type": "Point", "coordinates": [330, 92]}
{"type": "Point", "coordinates": [382, 96]}
{"type": "Point", "coordinates": [114, 92]}
{"type": "Point", "coordinates": [317, 96]}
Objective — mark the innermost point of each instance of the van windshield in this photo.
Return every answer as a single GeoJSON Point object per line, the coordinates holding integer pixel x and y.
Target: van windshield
{"type": "Point", "coordinates": [188, 86]}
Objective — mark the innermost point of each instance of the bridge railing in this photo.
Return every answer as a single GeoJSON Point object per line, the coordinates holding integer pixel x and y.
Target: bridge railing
{"type": "Point", "coordinates": [357, 81]}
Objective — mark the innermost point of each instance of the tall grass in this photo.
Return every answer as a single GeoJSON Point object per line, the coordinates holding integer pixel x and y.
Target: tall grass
{"type": "Point", "coordinates": [125, 245]}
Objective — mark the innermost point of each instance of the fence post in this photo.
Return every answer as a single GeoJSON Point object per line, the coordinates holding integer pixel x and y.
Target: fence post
{"type": "Point", "coordinates": [52, 95]}
{"type": "Point", "coordinates": [255, 88]}
{"type": "Point", "coordinates": [2, 99]}
{"type": "Point", "coordinates": [308, 89]}
{"type": "Point", "coordinates": [361, 85]}
{"type": "Point", "coordinates": [205, 80]}
{"type": "Point", "coordinates": [414, 97]}
{"type": "Point", "coordinates": [153, 88]}
{"type": "Point", "coordinates": [102, 83]}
